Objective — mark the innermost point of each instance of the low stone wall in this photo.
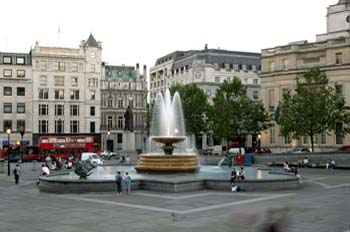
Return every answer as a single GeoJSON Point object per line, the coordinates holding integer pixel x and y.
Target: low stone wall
{"type": "Point", "coordinates": [342, 160]}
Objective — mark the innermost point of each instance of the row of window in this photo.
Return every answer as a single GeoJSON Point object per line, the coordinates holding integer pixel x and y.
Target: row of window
{"type": "Point", "coordinates": [8, 73]}
{"type": "Point", "coordinates": [59, 94]}
{"type": "Point", "coordinates": [21, 91]}
{"type": "Point", "coordinates": [60, 80]}
{"type": "Point", "coordinates": [21, 125]}
{"type": "Point", "coordinates": [59, 110]}
{"type": "Point", "coordinates": [59, 126]}
{"type": "Point", "coordinates": [21, 108]}
{"type": "Point", "coordinates": [9, 60]}
{"type": "Point", "coordinates": [62, 66]}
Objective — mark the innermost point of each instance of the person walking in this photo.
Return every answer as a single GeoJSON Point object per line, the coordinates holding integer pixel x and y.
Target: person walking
{"type": "Point", "coordinates": [127, 180]}
{"type": "Point", "coordinates": [17, 173]}
{"type": "Point", "coordinates": [118, 180]}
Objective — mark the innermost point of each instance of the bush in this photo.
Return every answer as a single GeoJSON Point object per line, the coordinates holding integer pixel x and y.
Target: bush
{"type": "Point", "coordinates": [83, 169]}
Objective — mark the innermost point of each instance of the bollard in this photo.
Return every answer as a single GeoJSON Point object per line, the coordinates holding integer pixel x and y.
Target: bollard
{"type": "Point", "coordinates": [2, 167]}
{"type": "Point", "coordinates": [34, 165]}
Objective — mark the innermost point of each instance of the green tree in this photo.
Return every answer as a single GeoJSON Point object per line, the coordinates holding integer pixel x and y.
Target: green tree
{"type": "Point", "coordinates": [234, 115]}
{"type": "Point", "coordinates": [195, 107]}
{"type": "Point", "coordinates": [315, 107]}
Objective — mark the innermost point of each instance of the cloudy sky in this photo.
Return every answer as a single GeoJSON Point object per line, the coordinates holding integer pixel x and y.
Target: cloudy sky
{"type": "Point", "coordinates": [140, 31]}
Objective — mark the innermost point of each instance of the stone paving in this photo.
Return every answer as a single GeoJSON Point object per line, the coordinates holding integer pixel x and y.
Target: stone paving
{"type": "Point", "coordinates": [322, 204]}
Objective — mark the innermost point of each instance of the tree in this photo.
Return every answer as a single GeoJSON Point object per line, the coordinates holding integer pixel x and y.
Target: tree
{"type": "Point", "coordinates": [315, 107]}
{"type": "Point", "coordinates": [195, 107]}
{"type": "Point", "coordinates": [234, 115]}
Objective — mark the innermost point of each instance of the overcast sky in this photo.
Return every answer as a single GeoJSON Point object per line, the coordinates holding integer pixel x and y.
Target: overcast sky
{"type": "Point", "coordinates": [140, 31]}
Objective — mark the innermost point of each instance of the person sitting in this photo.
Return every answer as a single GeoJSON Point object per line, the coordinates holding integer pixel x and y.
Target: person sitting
{"type": "Point", "coordinates": [45, 170]}
{"type": "Point", "coordinates": [233, 176]}
{"type": "Point", "coordinates": [69, 164]}
{"type": "Point", "coordinates": [332, 164]}
{"type": "Point", "coordinates": [241, 175]}
{"type": "Point", "coordinates": [306, 162]}
{"type": "Point", "coordinates": [286, 167]}
{"type": "Point", "coordinates": [53, 165]}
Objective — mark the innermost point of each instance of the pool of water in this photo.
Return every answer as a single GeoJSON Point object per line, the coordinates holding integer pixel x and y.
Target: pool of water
{"type": "Point", "coordinates": [205, 172]}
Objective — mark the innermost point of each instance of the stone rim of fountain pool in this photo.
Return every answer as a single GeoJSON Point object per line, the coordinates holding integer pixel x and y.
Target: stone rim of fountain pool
{"type": "Point", "coordinates": [59, 183]}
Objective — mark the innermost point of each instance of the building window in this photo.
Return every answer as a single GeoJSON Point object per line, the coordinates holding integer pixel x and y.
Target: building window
{"type": "Point", "coordinates": [7, 73]}
{"type": "Point", "coordinates": [21, 125]}
{"type": "Point", "coordinates": [59, 80]}
{"type": "Point", "coordinates": [20, 60]}
{"type": "Point", "coordinates": [7, 125]}
{"type": "Point", "coordinates": [43, 80]}
{"type": "Point", "coordinates": [255, 95]}
{"type": "Point", "coordinates": [287, 139]}
{"type": "Point", "coordinates": [21, 108]}
{"type": "Point", "coordinates": [92, 110]}
{"type": "Point", "coordinates": [74, 67]}
{"type": "Point", "coordinates": [271, 97]}
{"type": "Point", "coordinates": [21, 91]}
{"type": "Point", "coordinates": [339, 58]}
{"type": "Point", "coordinates": [272, 135]}
{"type": "Point", "coordinates": [7, 91]}
{"type": "Point", "coordinates": [43, 65]}
{"type": "Point", "coordinates": [74, 126]}
{"type": "Point", "coordinates": [217, 79]}
{"type": "Point", "coordinates": [120, 122]}
{"type": "Point", "coordinates": [92, 68]}
{"type": "Point", "coordinates": [74, 110]}
{"type": "Point", "coordinates": [74, 94]}
{"type": "Point", "coordinates": [61, 66]}
{"type": "Point", "coordinates": [7, 60]}
{"type": "Point", "coordinates": [59, 110]}
{"type": "Point", "coordinates": [120, 103]}
{"type": "Point", "coordinates": [285, 64]}
{"type": "Point", "coordinates": [271, 66]}
{"type": "Point", "coordinates": [92, 127]}
{"type": "Point", "coordinates": [255, 81]}
{"type": "Point", "coordinates": [92, 94]}
{"type": "Point", "coordinates": [324, 137]}
{"type": "Point", "coordinates": [43, 109]}
{"type": "Point", "coordinates": [59, 94]}
{"type": "Point", "coordinates": [92, 82]}
{"type": "Point", "coordinates": [74, 81]}
{"type": "Point", "coordinates": [21, 73]}
{"type": "Point", "coordinates": [59, 126]}
{"type": "Point", "coordinates": [43, 94]}
{"type": "Point", "coordinates": [110, 101]}
{"type": "Point", "coordinates": [109, 122]}
{"type": "Point", "coordinates": [339, 133]}
{"type": "Point", "coordinates": [43, 126]}
{"type": "Point", "coordinates": [7, 108]}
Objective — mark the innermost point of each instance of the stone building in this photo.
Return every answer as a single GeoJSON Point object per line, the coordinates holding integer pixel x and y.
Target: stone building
{"type": "Point", "coordinates": [66, 89]}
{"type": "Point", "coordinates": [282, 65]}
{"type": "Point", "coordinates": [123, 87]}
{"type": "Point", "coordinates": [207, 68]}
{"type": "Point", "coordinates": [15, 97]}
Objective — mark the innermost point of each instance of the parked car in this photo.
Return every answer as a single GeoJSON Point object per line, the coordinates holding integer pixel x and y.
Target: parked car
{"type": "Point", "coordinates": [300, 150]}
{"type": "Point", "coordinates": [108, 155]}
{"type": "Point", "coordinates": [344, 148]}
{"type": "Point", "coordinates": [92, 157]}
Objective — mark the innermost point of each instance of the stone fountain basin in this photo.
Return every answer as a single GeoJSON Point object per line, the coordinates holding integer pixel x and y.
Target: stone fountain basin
{"type": "Point", "coordinates": [168, 139]}
{"type": "Point", "coordinates": [208, 177]}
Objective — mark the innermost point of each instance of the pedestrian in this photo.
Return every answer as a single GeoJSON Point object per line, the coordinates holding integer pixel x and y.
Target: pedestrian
{"type": "Point", "coordinates": [327, 164]}
{"type": "Point", "coordinates": [332, 164]}
{"type": "Point", "coordinates": [306, 162]}
{"type": "Point", "coordinates": [45, 170]}
{"type": "Point", "coordinates": [233, 176]}
{"type": "Point", "coordinates": [118, 180]}
{"type": "Point", "coordinates": [241, 174]}
{"type": "Point", "coordinates": [127, 180]}
{"type": "Point", "coordinates": [17, 173]}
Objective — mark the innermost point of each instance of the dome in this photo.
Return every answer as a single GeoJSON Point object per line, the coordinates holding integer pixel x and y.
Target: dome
{"type": "Point", "coordinates": [343, 1]}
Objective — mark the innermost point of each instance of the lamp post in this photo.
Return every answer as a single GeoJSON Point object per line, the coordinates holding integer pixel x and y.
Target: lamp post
{"type": "Point", "coordinates": [259, 142]}
{"type": "Point", "coordinates": [108, 134]}
{"type": "Point", "coordinates": [8, 131]}
{"type": "Point", "coordinates": [22, 134]}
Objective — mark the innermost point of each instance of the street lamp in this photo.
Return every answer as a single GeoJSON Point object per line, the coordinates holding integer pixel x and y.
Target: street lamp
{"type": "Point", "coordinates": [8, 131]}
{"type": "Point", "coordinates": [22, 134]}
{"type": "Point", "coordinates": [108, 134]}
{"type": "Point", "coordinates": [259, 142]}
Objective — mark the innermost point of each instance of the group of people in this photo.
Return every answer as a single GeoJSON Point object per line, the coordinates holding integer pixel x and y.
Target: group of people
{"type": "Point", "coordinates": [236, 175]}
{"type": "Point", "coordinates": [290, 168]}
{"type": "Point", "coordinates": [330, 164]}
{"type": "Point", "coordinates": [119, 178]}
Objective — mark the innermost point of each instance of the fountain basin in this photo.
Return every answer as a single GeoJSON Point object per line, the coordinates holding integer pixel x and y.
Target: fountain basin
{"type": "Point", "coordinates": [159, 163]}
{"type": "Point", "coordinates": [208, 177]}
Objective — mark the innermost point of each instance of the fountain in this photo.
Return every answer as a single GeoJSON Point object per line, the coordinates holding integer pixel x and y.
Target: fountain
{"type": "Point", "coordinates": [168, 128]}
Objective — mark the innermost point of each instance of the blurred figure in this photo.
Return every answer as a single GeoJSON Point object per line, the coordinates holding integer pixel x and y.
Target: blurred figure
{"type": "Point", "coordinates": [275, 220]}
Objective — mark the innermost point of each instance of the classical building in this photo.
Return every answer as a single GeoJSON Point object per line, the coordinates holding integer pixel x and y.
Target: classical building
{"type": "Point", "coordinates": [15, 97]}
{"type": "Point", "coordinates": [207, 68]}
{"type": "Point", "coordinates": [123, 108]}
{"type": "Point", "coordinates": [66, 89]}
{"type": "Point", "coordinates": [282, 65]}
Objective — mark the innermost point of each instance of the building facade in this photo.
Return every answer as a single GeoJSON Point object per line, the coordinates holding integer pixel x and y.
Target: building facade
{"type": "Point", "coordinates": [208, 69]}
{"type": "Point", "coordinates": [16, 93]}
{"type": "Point", "coordinates": [66, 89]}
{"type": "Point", "coordinates": [282, 65]}
{"type": "Point", "coordinates": [123, 87]}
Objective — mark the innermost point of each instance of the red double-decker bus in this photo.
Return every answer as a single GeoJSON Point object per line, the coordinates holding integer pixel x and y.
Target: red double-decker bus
{"type": "Point", "coordinates": [65, 146]}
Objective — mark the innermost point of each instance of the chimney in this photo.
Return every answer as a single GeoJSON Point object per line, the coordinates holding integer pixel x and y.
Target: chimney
{"type": "Point", "coordinates": [137, 71]}
{"type": "Point", "coordinates": [145, 72]}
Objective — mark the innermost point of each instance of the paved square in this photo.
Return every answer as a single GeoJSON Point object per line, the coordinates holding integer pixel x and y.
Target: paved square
{"type": "Point", "coordinates": [322, 204]}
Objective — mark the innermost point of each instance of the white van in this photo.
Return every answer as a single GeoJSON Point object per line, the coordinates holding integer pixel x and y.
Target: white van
{"type": "Point", "coordinates": [235, 151]}
{"type": "Point", "coordinates": [92, 157]}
